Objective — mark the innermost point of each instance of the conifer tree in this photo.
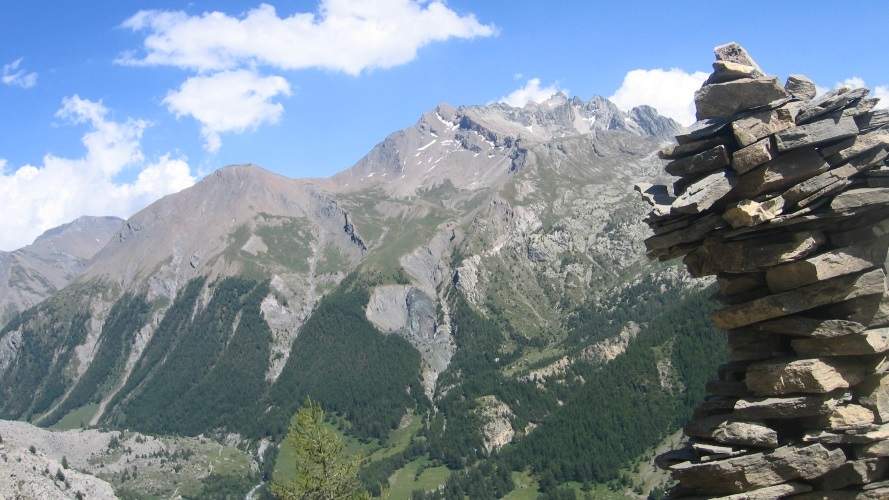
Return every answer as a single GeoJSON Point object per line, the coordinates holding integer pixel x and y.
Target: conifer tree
{"type": "Point", "coordinates": [322, 472]}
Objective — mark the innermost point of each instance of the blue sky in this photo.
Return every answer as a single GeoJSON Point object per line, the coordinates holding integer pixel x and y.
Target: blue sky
{"type": "Point", "coordinates": [107, 106]}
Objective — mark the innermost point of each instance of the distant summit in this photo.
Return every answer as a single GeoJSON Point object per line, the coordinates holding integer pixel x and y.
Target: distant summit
{"type": "Point", "coordinates": [475, 146]}
{"type": "Point", "coordinates": [30, 274]}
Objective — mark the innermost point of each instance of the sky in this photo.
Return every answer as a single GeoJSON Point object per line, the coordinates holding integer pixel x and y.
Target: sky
{"type": "Point", "coordinates": [107, 106]}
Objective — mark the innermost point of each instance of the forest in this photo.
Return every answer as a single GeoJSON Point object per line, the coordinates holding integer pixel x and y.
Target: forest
{"type": "Point", "coordinates": [586, 427]}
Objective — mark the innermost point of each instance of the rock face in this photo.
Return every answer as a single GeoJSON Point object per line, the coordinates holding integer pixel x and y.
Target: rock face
{"type": "Point", "coordinates": [780, 196]}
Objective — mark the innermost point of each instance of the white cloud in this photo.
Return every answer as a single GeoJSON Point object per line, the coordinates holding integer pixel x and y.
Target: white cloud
{"type": "Point", "coordinates": [882, 91]}
{"type": "Point", "coordinates": [228, 101]}
{"type": "Point", "coordinates": [532, 91]}
{"type": "Point", "coordinates": [854, 82]}
{"type": "Point", "coordinates": [36, 198]}
{"type": "Point", "coordinates": [670, 92]}
{"type": "Point", "coordinates": [345, 36]}
{"type": "Point", "coordinates": [12, 75]}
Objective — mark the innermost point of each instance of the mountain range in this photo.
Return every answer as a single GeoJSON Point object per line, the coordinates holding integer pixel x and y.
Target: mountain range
{"type": "Point", "coordinates": [481, 272]}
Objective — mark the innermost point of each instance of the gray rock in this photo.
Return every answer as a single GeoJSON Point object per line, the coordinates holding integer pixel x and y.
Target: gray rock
{"type": "Point", "coordinates": [829, 129]}
{"type": "Point", "coordinates": [808, 190]}
{"type": "Point", "coordinates": [802, 326]}
{"type": "Point", "coordinates": [701, 130]}
{"type": "Point", "coordinates": [705, 193]}
{"type": "Point", "coordinates": [878, 433]}
{"type": "Point", "coordinates": [656, 196]}
{"type": "Point", "coordinates": [800, 86]}
{"type": "Point", "coordinates": [710, 450]}
{"type": "Point", "coordinates": [873, 393]}
{"type": "Point", "coordinates": [780, 173]}
{"type": "Point", "coordinates": [873, 119]}
{"type": "Point", "coordinates": [747, 344]}
{"type": "Point", "coordinates": [869, 342]}
{"type": "Point", "coordinates": [689, 234]}
{"type": "Point", "coordinates": [872, 450]}
{"type": "Point", "coordinates": [841, 418]}
{"type": "Point", "coordinates": [830, 264]}
{"type": "Point", "coordinates": [675, 151]}
{"type": "Point", "coordinates": [754, 127]}
{"type": "Point", "coordinates": [712, 406]}
{"type": "Point", "coordinates": [755, 254]}
{"type": "Point", "coordinates": [723, 100]}
{"type": "Point", "coordinates": [734, 53]}
{"type": "Point", "coordinates": [727, 431]}
{"type": "Point", "coordinates": [734, 284]}
{"type": "Point", "coordinates": [842, 288]}
{"type": "Point", "coordinates": [871, 310]}
{"type": "Point", "coordinates": [864, 106]}
{"type": "Point", "coordinates": [810, 376]}
{"type": "Point", "coordinates": [754, 155]}
{"type": "Point", "coordinates": [771, 492]}
{"type": "Point", "coordinates": [856, 235]}
{"type": "Point", "coordinates": [814, 198]}
{"type": "Point", "coordinates": [664, 225]}
{"type": "Point", "coordinates": [830, 101]}
{"type": "Point", "coordinates": [788, 407]}
{"type": "Point", "coordinates": [673, 457]}
{"type": "Point", "coordinates": [758, 470]}
{"type": "Point", "coordinates": [726, 388]}
{"type": "Point", "coordinates": [853, 472]}
{"type": "Point", "coordinates": [859, 144]}
{"type": "Point", "coordinates": [857, 198]}
{"type": "Point", "coordinates": [700, 163]}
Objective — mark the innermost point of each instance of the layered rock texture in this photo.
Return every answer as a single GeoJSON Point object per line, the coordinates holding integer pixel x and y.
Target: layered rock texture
{"type": "Point", "coordinates": [784, 198]}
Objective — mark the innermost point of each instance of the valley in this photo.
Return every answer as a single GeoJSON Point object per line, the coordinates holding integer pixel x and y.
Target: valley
{"type": "Point", "coordinates": [471, 300]}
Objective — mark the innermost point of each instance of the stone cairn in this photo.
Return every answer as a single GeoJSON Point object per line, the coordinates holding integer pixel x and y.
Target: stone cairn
{"type": "Point", "coordinates": [784, 197]}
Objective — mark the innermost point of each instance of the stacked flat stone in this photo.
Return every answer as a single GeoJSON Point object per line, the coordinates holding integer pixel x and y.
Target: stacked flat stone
{"type": "Point", "coordinates": [784, 197]}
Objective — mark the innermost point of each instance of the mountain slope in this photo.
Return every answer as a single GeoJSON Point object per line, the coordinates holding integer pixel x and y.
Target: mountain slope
{"type": "Point", "coordinates": [30, 274]}
{"type": "Point", "coordinates": [448, 274]}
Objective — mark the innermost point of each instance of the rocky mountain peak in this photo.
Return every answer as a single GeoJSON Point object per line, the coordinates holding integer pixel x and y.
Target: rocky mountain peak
{"type": "Point", "coordinates": [648, 119]}
{"type": "Point", "coordinates": [80, 238]}
{"type": "Point", "coordinates": [32, 273]}
{"type": "Point", "coordinates": [472, 147]}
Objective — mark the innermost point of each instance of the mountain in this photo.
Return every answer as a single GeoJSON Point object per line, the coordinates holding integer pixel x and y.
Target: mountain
{"type": "Point", "coordinates": [30, 274]}
{"type": "Point", "coordinates": [473, 272]}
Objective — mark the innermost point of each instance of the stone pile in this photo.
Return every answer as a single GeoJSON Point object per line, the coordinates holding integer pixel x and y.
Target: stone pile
{"type": "Point", "coordinates": [784, 197]}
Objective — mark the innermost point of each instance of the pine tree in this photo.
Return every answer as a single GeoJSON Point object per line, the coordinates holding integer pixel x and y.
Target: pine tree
{"type": "Point", "coordinates": [322, 472]}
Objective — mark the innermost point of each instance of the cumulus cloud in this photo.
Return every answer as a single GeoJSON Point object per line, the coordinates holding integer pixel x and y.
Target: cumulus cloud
{"type": "Point", "coordinates": [532, 91]}
{"type": "Point", "coordinates": [346, 36]}
{"type": "Point", "coordinates": [854, 82]}
{"type": "Point", "coordinates": [670, 92]}
{"type": "Point", "coordinates": [12, 75]}
{"type": "Point", "coordinates": [882, 91]}
{"type": "Point", "coordinates": [36, 198]}
{"type": "Point", "coordinates": [228, 101]}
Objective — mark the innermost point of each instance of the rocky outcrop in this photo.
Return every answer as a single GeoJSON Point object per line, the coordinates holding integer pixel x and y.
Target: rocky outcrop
{"type": "Point", "coordinates": [783, 198]}
{"type": "Point", "coordinates": [32, 474]}
{"type": "Point", "coordinates": [497, 428]}
{"type": "Point", "coordinates": [411, 313]}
